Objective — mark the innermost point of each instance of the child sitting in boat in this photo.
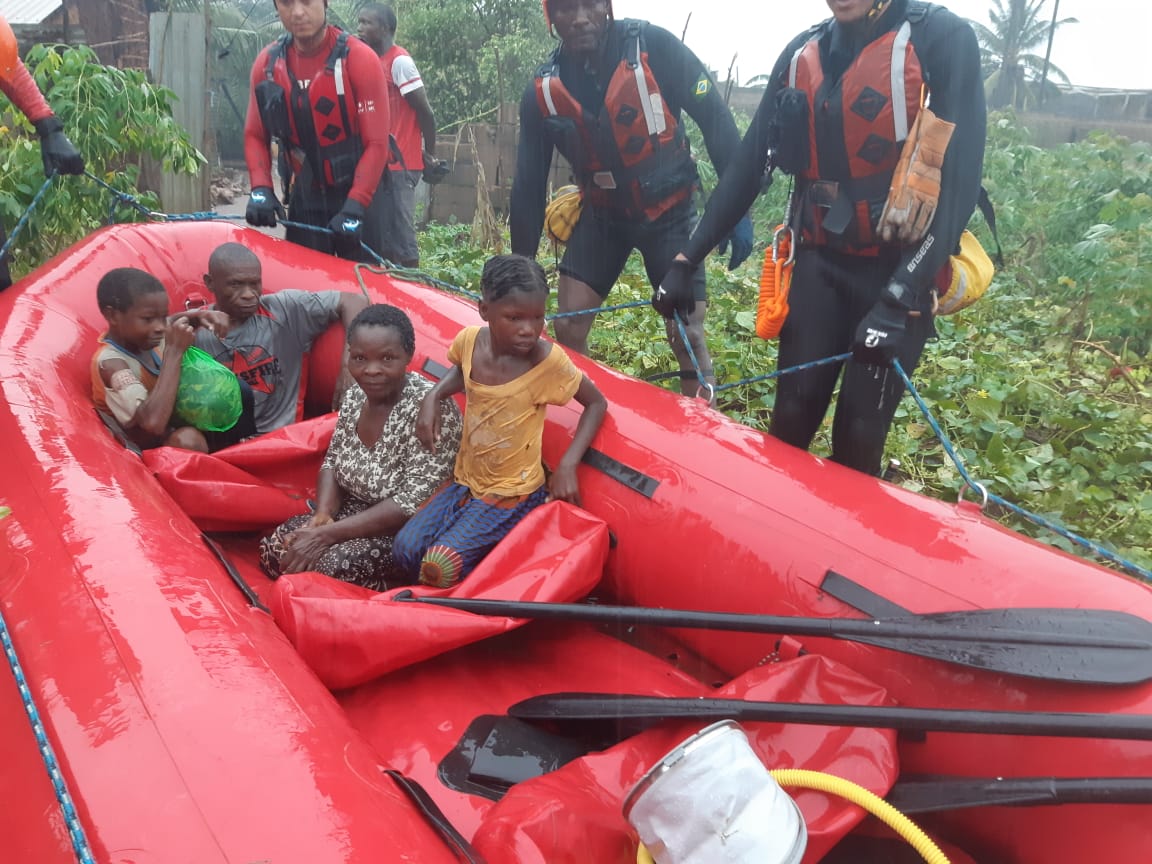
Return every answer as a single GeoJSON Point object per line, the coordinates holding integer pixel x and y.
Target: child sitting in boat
{"type": "Point", "coordinates": [136, 371]}
{"type": "Point", "coordinates": [375, 473]}
{"type": "Point", "coordinates": [509, 376]}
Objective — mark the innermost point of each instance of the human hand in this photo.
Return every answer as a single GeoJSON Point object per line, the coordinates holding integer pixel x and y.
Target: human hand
{"type": "Point", "coordinates": [676, 292]}
{"type": "Point", "coordinates": [563, 486]}
{"type": "Point", "coordinates": [349, 221]}
{"type": "Point", "coordinates": [428, 423]}
{"type": "Point", "coordinates": [178, 336]}
{"type": "Point", "coordinates": [435, 170]}
{"type": "Point", "coordinates": [303, 548]}
{"type": "Point", "coordinates": [59, 154]}
{"type": "Point", "coordinates": [741, 240]}
{"type": "Point", "coordinates": [213, 319]}
{"type": "Point", "coordinates": [881, 333]}
{"type": "Point", "coordinates": [319, 519]}
{"type": "Point", "coordinates": [263, 208]}
{"type": "Point", "coordinates": [210, 319]}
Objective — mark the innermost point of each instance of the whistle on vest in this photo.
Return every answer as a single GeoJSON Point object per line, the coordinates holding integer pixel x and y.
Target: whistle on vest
{"type": "Point", "coordinates": [604, 180]}
{"type": "Point", "coordinates": [272, 103]}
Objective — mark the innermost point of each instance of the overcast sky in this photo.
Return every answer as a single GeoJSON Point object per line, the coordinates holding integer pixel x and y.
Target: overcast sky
{"type": "Point", "coordinates": [1110, 47]}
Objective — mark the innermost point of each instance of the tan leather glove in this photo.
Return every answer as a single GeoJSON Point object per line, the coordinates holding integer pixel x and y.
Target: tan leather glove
{"type": "Point", "coordinates": [915, 189]}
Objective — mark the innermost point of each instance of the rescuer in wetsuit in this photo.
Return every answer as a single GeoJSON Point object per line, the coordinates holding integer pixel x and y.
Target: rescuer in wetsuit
{"type": "Point", "coordinates": [629, 153]}
{"type": "Point", "coordinates": [322, 95]}
{"type": "Point", "coordinates": [831, 119]}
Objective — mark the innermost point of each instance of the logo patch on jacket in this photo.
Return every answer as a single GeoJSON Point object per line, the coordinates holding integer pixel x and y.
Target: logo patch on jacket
{"type": "Point", "coordinates": [869, 104]}
{"type": "Point", "coordinates": [703, 85]}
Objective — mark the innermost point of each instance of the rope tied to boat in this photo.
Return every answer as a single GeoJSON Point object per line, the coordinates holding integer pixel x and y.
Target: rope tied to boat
{"type": "Point", "coordinates": [971, 483]}
{"type": "Point", "coordinates": [71, 819]}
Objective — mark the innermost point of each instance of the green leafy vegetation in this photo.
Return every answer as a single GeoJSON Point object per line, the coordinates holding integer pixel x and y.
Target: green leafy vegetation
{"type": "Point", "coordinates": [1044, 386]}
{"type": "Point", "coordinates": [116, 118]}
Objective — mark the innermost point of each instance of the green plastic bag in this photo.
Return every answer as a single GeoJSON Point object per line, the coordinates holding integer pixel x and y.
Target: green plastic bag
{"type": "Point", "coordinates": [209, 393]}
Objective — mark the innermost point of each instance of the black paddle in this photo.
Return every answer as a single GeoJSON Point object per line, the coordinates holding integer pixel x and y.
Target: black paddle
{"type": "Point", "coordinates": [610, 706]}
{"type": "Point", "coordinates": [1070, 645]}
{"type": "Point", "coordinates": [935, 794]}
{"type": "Point", "coordinates": [234, 574]}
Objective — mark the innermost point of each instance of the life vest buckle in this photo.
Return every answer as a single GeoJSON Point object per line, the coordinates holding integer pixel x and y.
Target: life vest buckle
{"type": "Point", "coordinates": [823, 193]}
{"type": "Point", "coordinates": [604, 180]}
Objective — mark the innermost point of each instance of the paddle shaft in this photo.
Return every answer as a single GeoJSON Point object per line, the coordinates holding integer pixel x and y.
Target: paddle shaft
{"type": "Point", "coordinates": [833, 628]}
{"type": "Point", "coordinates": [936, 794]}
{"type": "Point", "coordinates": [607, 706]}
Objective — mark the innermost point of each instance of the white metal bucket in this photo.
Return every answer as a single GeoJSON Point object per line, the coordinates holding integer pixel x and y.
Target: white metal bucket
{"type": "Point", "coordinates": [711, 801]}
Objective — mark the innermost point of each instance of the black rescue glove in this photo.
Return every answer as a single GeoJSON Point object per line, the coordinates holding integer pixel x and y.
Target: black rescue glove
{"type": "Point", "coordinates": [263, 208]}
{"type": "Point", "coordinates": [435, 171]}
{"type": "Point", "coordinates": [677, 290]}
{"type": "Point", "coordinates": [881, 333]}
{"type": "Point", "coordinates": [60, 155]}
{"type": "Point", "coordinates": [349, 222]}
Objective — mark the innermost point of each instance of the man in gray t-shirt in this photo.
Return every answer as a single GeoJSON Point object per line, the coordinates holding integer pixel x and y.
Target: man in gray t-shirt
{"type": "Point", "coordinates": [268, 335]}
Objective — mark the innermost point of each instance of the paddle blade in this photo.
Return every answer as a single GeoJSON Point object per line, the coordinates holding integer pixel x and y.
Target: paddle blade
{"type": "Point", "coordinates": [1088, 646]}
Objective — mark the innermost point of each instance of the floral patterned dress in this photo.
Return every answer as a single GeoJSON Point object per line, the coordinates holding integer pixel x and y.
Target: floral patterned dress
{"type": "Point", "coordinates": [396, 467]}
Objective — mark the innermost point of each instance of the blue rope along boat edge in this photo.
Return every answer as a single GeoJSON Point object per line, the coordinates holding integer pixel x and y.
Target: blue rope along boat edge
{"type": "Point", "coordinates": [60, 787]}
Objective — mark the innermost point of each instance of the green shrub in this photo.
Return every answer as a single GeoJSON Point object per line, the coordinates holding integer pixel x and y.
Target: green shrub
{"type": "Point", "coordinates": [115, 117]}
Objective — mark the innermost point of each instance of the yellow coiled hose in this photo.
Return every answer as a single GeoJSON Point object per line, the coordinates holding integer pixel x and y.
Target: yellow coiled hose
{"type": "Point", "coordinates": [873, 803]}
{"type": "Point", "coordinates": [799, 778]}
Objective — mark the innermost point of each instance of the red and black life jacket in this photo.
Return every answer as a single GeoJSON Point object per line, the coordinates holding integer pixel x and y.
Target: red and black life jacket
{"type": "Point", "coordinates": [632, 156]}
{"type": "Point", "coordinates": [856, 129]}
{"type": "Point", "coordinates": [322, 129]}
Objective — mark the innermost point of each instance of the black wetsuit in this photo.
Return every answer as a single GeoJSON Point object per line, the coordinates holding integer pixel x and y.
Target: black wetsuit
{"type": "Point", "coordinates": [685, 86]}
{"type": "Point", "coordinates": [833, 290]}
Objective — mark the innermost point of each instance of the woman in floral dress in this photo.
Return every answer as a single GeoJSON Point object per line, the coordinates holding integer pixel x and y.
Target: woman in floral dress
{"type": "Point", "coordinates": [376, 473]}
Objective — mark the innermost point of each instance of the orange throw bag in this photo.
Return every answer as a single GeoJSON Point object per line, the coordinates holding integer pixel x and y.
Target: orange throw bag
{"type": "Point", "coordinates": [775, 281]}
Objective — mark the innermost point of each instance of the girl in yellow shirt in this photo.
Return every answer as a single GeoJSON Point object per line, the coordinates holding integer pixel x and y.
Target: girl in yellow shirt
{"type": "Point", "coordinates": [509, 376]}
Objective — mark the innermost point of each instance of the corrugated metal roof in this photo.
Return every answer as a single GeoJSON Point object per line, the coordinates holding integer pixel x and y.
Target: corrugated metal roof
{"type": "Point", "coordinates": [28, 11]}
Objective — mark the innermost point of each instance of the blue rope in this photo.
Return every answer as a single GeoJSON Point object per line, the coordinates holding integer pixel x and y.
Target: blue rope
{"type": "Point", "coordinates": [24, 218]}
{"type": "Point", "coordinates": [971, 483]}
{"type": "Point", "coordinates": [596, 310]}
{"type": "Point", "coordinates": [409, 274]}
{"type": "Point", "coordinates": [71, 818]}
{"type": "Point", "coordinates": [122, 198]}
{"type": "Point", "coordinates": [703, 386]}
{"type": "Point", "coordinates": [799, 367]}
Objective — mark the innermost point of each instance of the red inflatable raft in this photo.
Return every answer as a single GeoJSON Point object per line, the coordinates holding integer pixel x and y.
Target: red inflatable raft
{"type": "Point", "coordinates": [200, 713]}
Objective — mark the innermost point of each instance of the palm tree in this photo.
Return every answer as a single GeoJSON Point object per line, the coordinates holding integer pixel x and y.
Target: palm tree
{"type": "Point", "coordinates": [1013, 72]}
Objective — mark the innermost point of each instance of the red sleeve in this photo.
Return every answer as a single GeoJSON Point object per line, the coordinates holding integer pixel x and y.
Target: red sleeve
{"type": "Point", "coordinates": [370, 90]}
{"type": "Point", "coordinates": [20, 87]}
{"type": "Point", "coordinates": [256, 144]}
